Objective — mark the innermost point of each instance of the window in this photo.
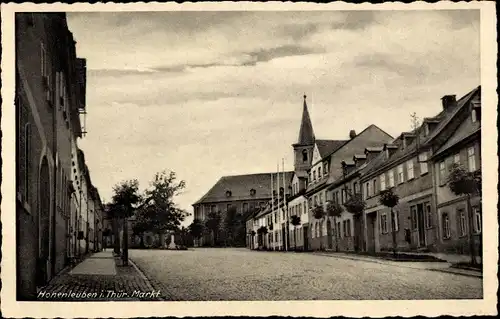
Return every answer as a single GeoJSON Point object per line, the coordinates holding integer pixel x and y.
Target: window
{"type": "Point", "coordinates": [442, 173]}
{"type": "Point", "coordinates": [245, 207]}
{"type": "Point", "coordinates": [252, 192]}
{"type": "Point", "coordinates": [395, 222]}
{"type": "Point", "coordinates": [413, 217]}
{"type": "Point", "coordinates": [456, 158]}
{"type": "Point", "coordinates": [401, 177]}
{"type": "Point", "coordinates": [462, 222]}
{"type": "Point", "coordinates": [471, 159]}
{"type": "Point", "coordinates": [337, 197]}
{"type": "Point", "coordinates": [383, 223]}
{"type": "Point", "coordinates": [356, 190]}
{"type": "Point", "coordinates": [319, 172]}
{"type": "Point", "coordinates": [382, 182]}
{"type": "Point", "coordinates": [304, 156]}
{"type": "Point", "coordinates": [325, 169]}
{"type": "Point", "coordinates": [228, 193]}
{"type": "Point", "coordinates": [339, 235]}
{"type": "Point", "coordinates": [424, 169]}
{"type": "Point", "coordinates": [27, 161]}
{"type": "Point", "coordinates": [367, 189]}
{"type": "Point", "coordinates": [348, 228]}
{"type": "Point", "coordinates": [446, 226]}
{"type": "Point", "coordinates": [228, 207]}
{"type": "Point", "coordinates": [305, 209]}
{"type": "Point", "coordinates": [344, 227]}
{"type": "Point", "coordinates": [374, 186]}
{"type": "Point", "coordinates": [321, 198]}
{"type": "Point", "coordinates": [474, 116]}
{"type": "Point", "coordinates": [391, 178]}
{"type": "Point", "coordinates": [409, 168]}
{"type": "Point", "coordinates": [342, 191]}
{"type": "Point", "coordinates": [428, 215]}
{"type": "Point", "coordinates": [476, 213]}
{"type": "Point", "coordinates": [213, 208]}
{"type": "Point", "coordinates": [275, 217]}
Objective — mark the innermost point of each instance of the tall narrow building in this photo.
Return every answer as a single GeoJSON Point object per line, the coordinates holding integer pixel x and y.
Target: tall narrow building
{"type": "Point", "coordinates": [303, 149]}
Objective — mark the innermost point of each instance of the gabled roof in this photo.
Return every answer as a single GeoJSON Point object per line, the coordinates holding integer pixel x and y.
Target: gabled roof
{"type": "Point", "coordinates": [326, 147]}
{"type": "Point", "coordinates": [465, 130]}
{"type": "Point", "coordinates": [306, 133]}
{"type": "Point", "coordinates": [444, 118]}
{"type": "Point", "coordinates": [240, 186]}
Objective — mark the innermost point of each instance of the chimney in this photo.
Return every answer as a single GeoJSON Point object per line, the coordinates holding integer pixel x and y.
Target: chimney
{"type": "Point", "coordinates": [359, 159]}
{"type": "Point", "coordinates": [449, 102]}
{"type": "Point", "coordinates": [352, 134]}
{"type": "Point", "coordinates": [372, 152]}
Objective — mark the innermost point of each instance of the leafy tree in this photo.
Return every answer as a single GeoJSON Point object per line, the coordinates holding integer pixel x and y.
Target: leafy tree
{"type": "Point", "coordinates": [355, 204]}
{"type": "Point", "coordinates": [319, 214]}
{"type": "Point", "coordinates": [295, 220]}
{"type": "Point", "coordinates": [234, 225]}
{"type": "Point", "coordinates": [159, 212]}
{"type": "Point", "coordinates": [125, 198]}
{"type": "Point", "coordinates": [389, 199]}
{"type": "Point", "coordinates": [213, 224]}
{"type": "Point", "coordinates": [196, 229]}
{"type": "Point", "coordinates": [462, 182]}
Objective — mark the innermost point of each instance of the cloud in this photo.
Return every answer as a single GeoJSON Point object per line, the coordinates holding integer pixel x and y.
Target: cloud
{"type": "Point", "coordinates": [208, 94]}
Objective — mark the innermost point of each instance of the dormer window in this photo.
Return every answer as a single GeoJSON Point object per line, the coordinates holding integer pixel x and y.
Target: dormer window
{"type": "Point", "coordinates": [426, 129]}
{"type": "Point", "coordinates": [304, 156]}
{"type": "Point", "coordinates": [252, 192]}
{"type": "Point", "coordinates": [325, 169]}
{"type": "Point", "coordinates": [228, 193]}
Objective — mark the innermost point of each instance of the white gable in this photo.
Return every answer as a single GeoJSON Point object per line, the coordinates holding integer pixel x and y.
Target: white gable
{"type": "Point", "coordinates": [316, 156]}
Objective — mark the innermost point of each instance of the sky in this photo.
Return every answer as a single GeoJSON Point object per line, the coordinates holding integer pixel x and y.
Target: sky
{"type": "Point", "coordinates": [207, 94]}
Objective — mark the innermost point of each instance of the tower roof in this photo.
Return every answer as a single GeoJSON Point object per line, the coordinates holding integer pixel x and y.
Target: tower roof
{"type": "Point", "coordinates": [306, 133]}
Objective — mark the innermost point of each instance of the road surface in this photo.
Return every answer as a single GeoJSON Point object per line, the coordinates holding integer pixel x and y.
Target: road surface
{"type": "Point", "coordinates": [210, 274]}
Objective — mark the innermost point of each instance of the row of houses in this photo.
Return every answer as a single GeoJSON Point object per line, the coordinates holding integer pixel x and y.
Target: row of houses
{"type": "Point", "coordinates": [58, 210]}
{"type": "Point", "coordinates": [415, 165]}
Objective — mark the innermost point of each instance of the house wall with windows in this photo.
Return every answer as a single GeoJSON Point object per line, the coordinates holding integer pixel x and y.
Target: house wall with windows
{"type": "Point", "coordinates": [299, 234]}
{"type": "Point", "coordinates": [462, 148]}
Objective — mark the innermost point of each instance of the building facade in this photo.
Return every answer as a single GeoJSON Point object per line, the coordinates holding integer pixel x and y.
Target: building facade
{"type": "Point", "coordinates": [50, 90]}
{"type": "Point", "coordinates": [245, 193]}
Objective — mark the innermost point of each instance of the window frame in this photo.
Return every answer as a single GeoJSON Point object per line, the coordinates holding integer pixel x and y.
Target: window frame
{"type": "Point", "coordinates": [445, 220]}
{"type": "Point", "coordinates": [456, 158]}
{"type": "Point", "coordinates": [401, 173]}
{"type": "Point", "coordinates": [383, 223]}
{"type": "Point", "coordinates": [423, 163]}
{"type": "Point", "coordinates": [476, 213]}
{"type": "Point", "coordinates": [413, 218]}
{"type": "Point", "coordinates": [462, 222]}
{"type": "Point", "coordinates": [382, 182]}
{"type": "Point", "coordinates": [473, 161]}
{"type": "Point", "coordinates": [391, 179]}
{"type": "Point", "coordinates": [428, 215]}
{"type": "Point", "coordinates": [442, 172]}
{"type": "Point", "coordinates": [410, 169]}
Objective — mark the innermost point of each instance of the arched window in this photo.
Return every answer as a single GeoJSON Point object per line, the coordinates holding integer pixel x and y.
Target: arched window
{"type": "Point", "coordinates": [304, 155]}
{"type": "Point", "coordinates": [228, 193]}
{"type": "Point", "coordinates": [252, 192]}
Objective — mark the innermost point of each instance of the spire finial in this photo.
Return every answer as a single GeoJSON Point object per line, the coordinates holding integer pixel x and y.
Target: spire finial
{"type": "Point", "coordinates": [305, 96]}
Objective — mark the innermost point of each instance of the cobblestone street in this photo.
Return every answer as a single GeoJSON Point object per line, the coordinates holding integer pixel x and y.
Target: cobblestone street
{"type": "Point", "coordinates": [239, 274]}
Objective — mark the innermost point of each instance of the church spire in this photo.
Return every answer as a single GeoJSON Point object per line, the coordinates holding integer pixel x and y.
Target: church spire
{"type": "Point", "coordinates": [306, 133]}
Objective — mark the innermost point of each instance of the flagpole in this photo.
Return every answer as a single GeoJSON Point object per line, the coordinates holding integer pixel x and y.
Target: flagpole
{"type": "Point", "coordinates": [272, 202]}
{"type": "Point", "coordinates": [278, 193]}
{"type": "Point", "coordinates": [284, 206]}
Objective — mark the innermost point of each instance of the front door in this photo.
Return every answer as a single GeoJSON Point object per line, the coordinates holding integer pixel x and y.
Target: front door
{"type": "Point", "coordinates": [358, 229]}
{"type": "Point", "coordinates": [370, 230]}
{"type": "Point", "coordinates": [329, 234]}
{"type": "Point", "coordinates": [306, 238]}
{"type": "Point", "coordinates": [421, 226]}
{"type": "Point", "coordinates": [283, 236]}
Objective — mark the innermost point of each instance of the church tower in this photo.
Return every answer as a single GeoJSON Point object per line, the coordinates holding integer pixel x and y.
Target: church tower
{"type": "Point", "coordinates": [303, 149]}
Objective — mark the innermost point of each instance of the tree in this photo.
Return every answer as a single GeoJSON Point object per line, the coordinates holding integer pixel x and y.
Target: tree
{"type": "Point", "coordinates": [462, 182]}
{"type": "Point", "coordinates": [355, 204]}
{"type": "Point", "coordinates": [125, 198]}
{"type": "Point", "coordinates": [319, 214]}
{"type": "Point", "coordinates": [196, 229]}
{"type": "Point", "coordinates": [295, 220]}
{"type": "Point", "coordinates": [333, 209]}
{"type": "Point", "coordinates": [389, 199]}
{"type": "Point", "coordinates": [232, 225]}
{"type": "Point", "coordinates": [159, 212]}
{"type": "Point", "coordinates": [212, 224]}
{"type": "Point", "coordinates": [139, 228]}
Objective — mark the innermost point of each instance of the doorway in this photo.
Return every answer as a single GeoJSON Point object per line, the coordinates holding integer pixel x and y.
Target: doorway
{"type": "Point", "coordinates": [370, 231]}
{"type": "Point", "coordinates": [420, 225]}
{"type": "Point", "coordinates": [306, 238]}
{"type": "Point", "coordinates": [329, 234]}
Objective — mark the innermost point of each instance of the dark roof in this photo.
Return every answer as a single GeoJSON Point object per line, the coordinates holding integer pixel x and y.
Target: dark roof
{"type": "Point", "coordinates": [306, 133]}
{"type": "Point", "coordinates": [444, 118]}
{"type": "Point", "coordinates": [326, 147]}
{"type": "Point", "coordinates": [240, 186]}
{"type": "Point", "coordinates": [466, 129]}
